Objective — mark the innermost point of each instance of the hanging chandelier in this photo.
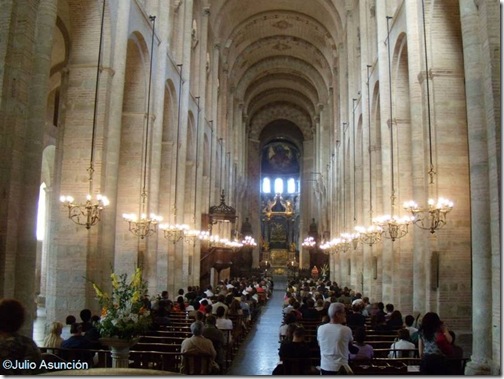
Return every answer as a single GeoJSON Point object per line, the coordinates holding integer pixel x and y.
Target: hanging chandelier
{"type": "Point", "coordinates": [351, 238]}
{"type": "Point", "coordinates": [433, 216]}
{"type": "Point", "coordinates": [144, 226]}
{"type": "Point", "coordinates": [174, 232]}
{"type": "Point", "coordinates": [394, 227]}
{"type": "Point", "coordinates": [249, 241]}
{"type": "Point", "coordinates": [309, 242]}
{"type": "Point", "coordinates": [370, 235]}
{"type": "Point", "coordinates": [89, 212]}
{"type": "Point", "coordinates": [246, 233]}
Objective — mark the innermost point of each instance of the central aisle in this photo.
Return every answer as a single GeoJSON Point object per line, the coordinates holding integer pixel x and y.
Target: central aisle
{"type": "Point", "coordinates": [258, 354]}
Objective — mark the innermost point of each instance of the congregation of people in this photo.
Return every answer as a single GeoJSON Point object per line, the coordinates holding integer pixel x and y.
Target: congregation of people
{"type": "Point", "coordinates": [326, 329]}
{"type": "Point", "coordinates": [344, 325]}
{"type": "Point", "coordinates": [210, 308]}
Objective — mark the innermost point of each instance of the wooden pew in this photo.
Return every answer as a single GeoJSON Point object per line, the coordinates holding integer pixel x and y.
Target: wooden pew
{"type": "Point", "coordinates": [170, 333]}
{"type": "Point", "coordinates": [155, 360]}
{"type": "Point", "coordinates": [400, 353]}
{"type": "Point", "coordinates": [162, 339]}
{"type": "Point", "coordinates": [162, 347]}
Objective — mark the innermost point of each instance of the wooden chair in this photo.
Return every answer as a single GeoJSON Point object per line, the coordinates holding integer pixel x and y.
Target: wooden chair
{"type": "Point", "coordinates": [196, 364]}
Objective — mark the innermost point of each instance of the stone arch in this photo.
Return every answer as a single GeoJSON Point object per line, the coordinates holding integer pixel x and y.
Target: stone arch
{"type": "Point", "coordinates": [131, 151]}
{"type": "Point", "coordinates": [276, 111]}
{"type": "Point", "coordinates": [294, 66]}
{"type": "Point", "coordinates": [168, 145]}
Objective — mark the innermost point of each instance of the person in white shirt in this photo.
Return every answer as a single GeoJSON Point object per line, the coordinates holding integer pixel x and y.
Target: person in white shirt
{"type": "Point", "coordinates": [224, 323]}
{"type": "Point", "coordinates": [408, 321]}
{"type": "Point", "coordinates": [402, 343]}
{"type": "Point", "coordinates": [220, 303]}
{"type": "Point", "coordinates": [334, 340]}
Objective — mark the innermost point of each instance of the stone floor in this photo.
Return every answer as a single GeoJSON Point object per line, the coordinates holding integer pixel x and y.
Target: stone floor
{"type": "Point", "coordinates": [258, 354]}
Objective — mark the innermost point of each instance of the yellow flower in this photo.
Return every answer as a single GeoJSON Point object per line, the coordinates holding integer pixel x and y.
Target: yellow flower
{"type": "Point", "coordinates": [137, 278]}
{"type": "Point", "coordinates": [135, 297]}
{"type": "Point", "coordinates": [98, 291]}
{"type": "Point", "coordinates": [115, 281]}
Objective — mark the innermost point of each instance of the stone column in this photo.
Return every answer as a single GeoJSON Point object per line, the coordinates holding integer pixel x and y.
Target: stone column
{"type": "Point", "coordinates": [478, 127]}
{"type": "Point", "coordinates": [32, 158]}
{"type": "Point", "coordinates": [157, 257]}
{"type": "Point", "coordinates": [111, 155]}
{"type": "Point", "coordinates": [180, 259]}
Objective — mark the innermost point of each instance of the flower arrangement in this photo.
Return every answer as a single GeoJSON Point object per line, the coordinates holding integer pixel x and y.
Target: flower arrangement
{"type": "Point", "coordinates": [324, 270]}
{"type": "Point", "coordinates": [123, 314]}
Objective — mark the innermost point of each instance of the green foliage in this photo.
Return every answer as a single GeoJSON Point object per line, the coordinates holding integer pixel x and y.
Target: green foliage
{"type": "Point", "coordinates": [123, 314]}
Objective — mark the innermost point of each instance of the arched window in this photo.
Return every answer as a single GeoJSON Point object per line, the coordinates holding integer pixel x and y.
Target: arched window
{"type": "Point", "coordinates": [41, 213]}
{"type": "Point", "coordinates": [291, 185]}
{"type": "Point", "coordinates": [278, 185]}
{"type": "Point", "coordinates": [266, 187]}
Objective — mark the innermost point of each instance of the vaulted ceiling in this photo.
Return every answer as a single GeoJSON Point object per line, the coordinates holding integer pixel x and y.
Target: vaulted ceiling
{"type": "Point", "coordinates": [280, 57]}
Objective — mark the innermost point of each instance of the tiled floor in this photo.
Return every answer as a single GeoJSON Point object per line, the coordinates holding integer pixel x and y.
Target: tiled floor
{"type": "Point", "coordinates": [258, 354]}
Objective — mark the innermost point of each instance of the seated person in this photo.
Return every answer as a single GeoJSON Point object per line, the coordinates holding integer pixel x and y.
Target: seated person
{"type": "Point", "coordinates": [289, 318]}
{"type": "Point", "coordinates": [197, 344]}
{"type": "Point", "coordinates": [413, 332]}
{"type": "Point", "coordinates": [309, 312]}
{"type": "Point", "coordinates": [54, 339]}
{"type": "Point", "coordinates": [93, 334]}
{"type": "Point", "coordinates": [297, 349]}
{"type": "Point", "coordinates": [77, 341]}
{"type": "Point", "coordinates": [402, 342]}
{"type": "Point", "coordinates": [365, 350]}
{"type": "Point", "coordinates": [215, 335]}
{"type": "Point", "coordinates": [355, 318]}
{"type": "Point", "coordinates": [14, 346]}
{"type": "Point", "coordinates": [395, 321]}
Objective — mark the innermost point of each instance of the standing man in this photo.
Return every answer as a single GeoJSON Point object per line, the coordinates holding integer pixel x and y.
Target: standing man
{"type": "Point", "coordinates": [334, 339]}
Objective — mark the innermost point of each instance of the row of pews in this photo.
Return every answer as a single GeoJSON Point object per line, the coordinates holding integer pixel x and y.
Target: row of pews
{"type": "Point", "coordinates": [158, 349]}
{"type": "Point", "coordinates": [405, 362]}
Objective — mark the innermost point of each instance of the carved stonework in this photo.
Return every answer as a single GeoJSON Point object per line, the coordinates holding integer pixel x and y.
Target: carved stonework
{"type": "Point", "coordinates": [282, 25]}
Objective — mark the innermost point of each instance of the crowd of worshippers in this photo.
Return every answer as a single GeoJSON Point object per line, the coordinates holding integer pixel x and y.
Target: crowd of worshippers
{"type": "Point", "coordinates": [238, 296]}
{"type": "Point", "coordinates": [343, 318]}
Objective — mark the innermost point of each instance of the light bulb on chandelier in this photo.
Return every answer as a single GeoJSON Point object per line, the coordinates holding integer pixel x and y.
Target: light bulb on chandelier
{"type": "Point", "coordinates": [174, 232]}
{"type": "Point", "coordinates": [370, 235]}
{"type": "Point", "coordinates": [432, 217]}
{"type": "Point", "coordinates": [396, 227]}
{"type": "Point", "coordinates": [142, 226]}
{"type": "Point", "coordinates": [309, 242]}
